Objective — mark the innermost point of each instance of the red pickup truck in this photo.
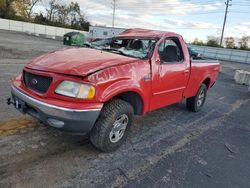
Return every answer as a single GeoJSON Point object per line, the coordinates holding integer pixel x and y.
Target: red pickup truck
{"type": "Point", "coordinates": [98, 88]}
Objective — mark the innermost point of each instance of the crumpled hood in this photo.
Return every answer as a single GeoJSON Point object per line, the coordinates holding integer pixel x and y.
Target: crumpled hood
{"type": "Point", "coordinates": [77, 61]}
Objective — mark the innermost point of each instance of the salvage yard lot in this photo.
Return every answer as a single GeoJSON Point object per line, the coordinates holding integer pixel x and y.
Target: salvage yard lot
{"type": "Point", "coordinates": [170, 147]}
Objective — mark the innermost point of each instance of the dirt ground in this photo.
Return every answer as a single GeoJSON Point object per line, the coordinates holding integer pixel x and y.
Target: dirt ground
{"type": "Point", "coordinates": [170, 147]}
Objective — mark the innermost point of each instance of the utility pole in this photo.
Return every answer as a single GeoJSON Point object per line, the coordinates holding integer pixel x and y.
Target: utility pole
{"type": "Point", "coordinates": [225, 20]}
{"type": "Point", "coordinates": [114, 7]}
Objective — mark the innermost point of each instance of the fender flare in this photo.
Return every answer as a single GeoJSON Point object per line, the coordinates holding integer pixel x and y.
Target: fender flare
{"type": "Point", "coordinates": [116, 89]}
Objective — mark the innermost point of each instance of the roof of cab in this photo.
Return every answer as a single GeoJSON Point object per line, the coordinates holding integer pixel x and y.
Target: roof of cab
{"type": "Point", "coordinates": [143, 33]}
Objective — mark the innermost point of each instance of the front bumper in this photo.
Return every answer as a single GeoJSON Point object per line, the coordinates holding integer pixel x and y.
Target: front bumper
{"type": "Point", "coordinates": [71, 120]}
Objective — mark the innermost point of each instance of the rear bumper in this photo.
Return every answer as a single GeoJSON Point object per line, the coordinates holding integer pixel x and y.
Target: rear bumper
{"type": "Point", "coordinates": [78, 121]}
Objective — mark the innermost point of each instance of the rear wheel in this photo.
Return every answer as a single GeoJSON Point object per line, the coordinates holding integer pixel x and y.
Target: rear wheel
{"type": "Point", "coordinates": [195, 103]}
{"type": "Point", "coordinates": [112, 126]}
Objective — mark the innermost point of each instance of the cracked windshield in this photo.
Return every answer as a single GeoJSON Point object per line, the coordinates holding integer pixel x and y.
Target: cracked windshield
{"type": "Point", "coordinates": [138, 48]}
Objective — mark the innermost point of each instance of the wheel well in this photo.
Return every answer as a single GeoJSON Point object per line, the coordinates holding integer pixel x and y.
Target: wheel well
{"type": "Point", "coordinates": [134, 99]}
{"type": "Point", "coordinates": [207, 82]}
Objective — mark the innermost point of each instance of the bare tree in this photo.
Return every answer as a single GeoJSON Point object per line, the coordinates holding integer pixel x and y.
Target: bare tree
{"type": "Point", "coordinates": [31, 6]}
{"type": "Point", "coordinates": [244, 42]}
{"type": "Point", "coordinates": [62, 13]}
{"type": "Point", "coordinates": [25, 7]}
{"type": "Point", "coordinates": [74, 12]}
{"type": "Point", "coordinates": [51, 10]}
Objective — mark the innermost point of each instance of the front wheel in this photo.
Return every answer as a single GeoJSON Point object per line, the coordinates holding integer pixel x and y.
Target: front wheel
{"type": "Point", "coordinates": [112, 126]}
{"type": "Point", "coordinates": [195, 103]}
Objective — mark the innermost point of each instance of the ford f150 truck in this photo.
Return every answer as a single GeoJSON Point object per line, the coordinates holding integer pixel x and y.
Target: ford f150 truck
{"type": "Point", "coordinates": [98, 89]}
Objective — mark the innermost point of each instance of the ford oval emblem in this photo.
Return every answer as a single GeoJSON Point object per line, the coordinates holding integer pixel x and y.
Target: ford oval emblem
{"type": "Point", "coordinates": [34, 81]}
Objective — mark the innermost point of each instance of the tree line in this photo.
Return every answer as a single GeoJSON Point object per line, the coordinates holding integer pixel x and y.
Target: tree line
{"type": "Point", "coordinates": [57, 13]}
{"type": "Point", "coordinates": [229, 42]}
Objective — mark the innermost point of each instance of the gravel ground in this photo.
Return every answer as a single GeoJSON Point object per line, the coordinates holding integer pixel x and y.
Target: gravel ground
{"type": "Point", "coordinates": [170, 147]}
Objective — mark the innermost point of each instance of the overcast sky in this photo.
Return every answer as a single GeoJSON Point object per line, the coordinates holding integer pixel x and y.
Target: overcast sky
{"type": "Point", "coordinates": [191, 18]}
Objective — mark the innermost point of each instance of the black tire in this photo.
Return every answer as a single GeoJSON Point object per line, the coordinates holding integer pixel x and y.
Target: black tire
{"type": "Point", "coordinates": [193, 103]}
{"type": "Point", "coordinates": [100, 134]}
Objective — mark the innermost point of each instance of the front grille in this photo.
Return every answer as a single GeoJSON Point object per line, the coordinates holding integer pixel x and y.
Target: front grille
{"type": "Point", "coordinates": [37, 83]}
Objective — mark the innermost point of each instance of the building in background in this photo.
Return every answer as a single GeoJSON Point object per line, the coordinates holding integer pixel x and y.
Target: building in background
{"type": "Point", "coordinates": [104, 32]}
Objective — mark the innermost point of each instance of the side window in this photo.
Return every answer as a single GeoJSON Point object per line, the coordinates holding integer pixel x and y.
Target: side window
{"type": "Point", "coordinates": [170, 51]}
{"type": "Point", "coordinates": [116, 43]}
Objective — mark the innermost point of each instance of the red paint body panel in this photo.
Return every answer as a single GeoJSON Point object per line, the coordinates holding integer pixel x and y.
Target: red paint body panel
{"type": "Point", "coordinates": [111, 74]}
{"type": "Point", "coordinates": [169, 80]}
{"type": "Point", "coordinates": [143, 33]}
{"type": "Point", "coordinates": [60, 102]}
{"type": "Point", "coordinates": [199, 72]}
{"type": "Point", "coordinates": [77, 61]}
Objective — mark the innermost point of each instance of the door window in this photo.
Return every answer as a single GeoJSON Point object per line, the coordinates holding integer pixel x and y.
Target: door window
{"type": "Point", "coordinates": [170, 51]}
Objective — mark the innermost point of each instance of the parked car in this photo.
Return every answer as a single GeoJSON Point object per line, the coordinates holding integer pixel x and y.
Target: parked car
{"type": "Point", "coordinates": [193, 54]}
{"type": "Point", "coordinates": [74, 39]}
{"type": "Point", "coordinates": [98, 91]}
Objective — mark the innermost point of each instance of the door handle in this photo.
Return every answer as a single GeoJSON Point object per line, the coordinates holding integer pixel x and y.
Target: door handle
{"type": "Point", "coordinates": [158, 61]}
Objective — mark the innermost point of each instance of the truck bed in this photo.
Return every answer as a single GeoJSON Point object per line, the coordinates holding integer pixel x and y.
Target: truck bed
{"type": "Point", "coordinates": [201, 70]}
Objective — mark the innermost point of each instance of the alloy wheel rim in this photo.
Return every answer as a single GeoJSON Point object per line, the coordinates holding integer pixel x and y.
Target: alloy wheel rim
{"type": "Point", "coordinates": [119, 128]}
{"type": "Point", "coordinates": [201, 98]}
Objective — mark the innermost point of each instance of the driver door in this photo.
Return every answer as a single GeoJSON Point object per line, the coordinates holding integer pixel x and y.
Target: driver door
{"type": "Point", "coordinates": [173, 74]}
